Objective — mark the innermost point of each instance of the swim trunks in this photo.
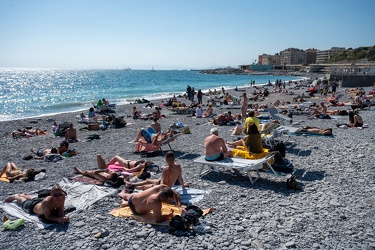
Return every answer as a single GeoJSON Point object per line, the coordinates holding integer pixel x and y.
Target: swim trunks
{"type": "Point", "coordinates": [147, 134]}
{"type": "Point", "coordinates": [217, 157]}
{"type": "Point", "coordinates": [131, 206]}
{"type": "Point", "coordinates": [39, 152]}
{"type": "Point", "coordinates": [358, 124]}
{"type": "Point", "coordinates": [28, 205]}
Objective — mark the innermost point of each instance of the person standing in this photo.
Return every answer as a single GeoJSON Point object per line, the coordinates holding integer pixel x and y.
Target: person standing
{"type": "Point", "coordinates": [245, 103]}
{"type": "Point", "coordinates": [199, 96]}
{"type": "Point", "coordinates": [188, 92]}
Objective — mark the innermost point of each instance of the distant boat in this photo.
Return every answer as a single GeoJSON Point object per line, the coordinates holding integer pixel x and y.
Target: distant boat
{"type": "Point", "coordinates": [127, 69]}
{"type": "Point", "coordinates": [152, 69]}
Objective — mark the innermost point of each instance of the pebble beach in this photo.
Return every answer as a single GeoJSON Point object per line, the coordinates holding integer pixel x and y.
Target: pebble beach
{"type": "Point", "coordinates": [334, 208]}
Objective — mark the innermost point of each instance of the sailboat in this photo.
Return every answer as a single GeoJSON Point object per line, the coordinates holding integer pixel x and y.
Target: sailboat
{"type": "Point", "coordinates": [152, 69]}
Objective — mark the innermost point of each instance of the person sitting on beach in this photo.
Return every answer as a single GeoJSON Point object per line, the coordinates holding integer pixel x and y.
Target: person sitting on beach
{"type": "Point", "coordinates": [136, 114]}
{"type": "Point", "coordinates": [14, 173]}
{"type": "Point", "coordinates": [172, 174]}
{"type": "Point", "coordinates": [198, 111]}
{"type": "Point", "coordinates": [52, 206]}
{"type": "Point", "coordinates": [40, 154]}
{"type": "Point", "coordinates": [222, 119]}
{"type": "Point", "coordinates": [105, 102]}
{"type": "Point", "coordinates": [209, 111]}
{"type": "Point", "coordinates": [252, 142]}
{"type": "Point", "coordinates": [155, 125]}
{"type": "Point", "coordinates": [157, 113]}
{"type": "Point", "coordinates": [151, 200]}
{"type": "Point", "coordinates": [314, 130]}
{"type": "Point", "coordinates": [355, 120]}
{"type": "Point", "coordinates": [71, 134]}
{"type": "Point", "coordinates": [91, 114]}
{"type": "Point", "coordinates": [64, 150]}
{"type": "Point", "coordinates": [215, 148]}
{"type": "Point", "coordinates": [150, 136]}
{"type": "Point", "coordinates": [319, 110]}
{"type": "Point", "coordinates": [251, 119]}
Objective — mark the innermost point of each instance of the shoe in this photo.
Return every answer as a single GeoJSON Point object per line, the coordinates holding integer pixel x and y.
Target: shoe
{"type": "Point", "coordinates": [200, 228]}
{"type": "Point", "coordinates": [205, 223]}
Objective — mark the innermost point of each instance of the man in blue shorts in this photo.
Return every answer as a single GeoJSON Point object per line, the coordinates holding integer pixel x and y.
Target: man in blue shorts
{"type": "Point", "coordinates": [215, 147]}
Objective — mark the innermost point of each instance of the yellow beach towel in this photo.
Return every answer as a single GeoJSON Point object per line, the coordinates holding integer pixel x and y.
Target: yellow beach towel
{"type": "Point", "coordinates": [241, 152]}
{"type": "Point", "coordinates": [124, 212]}
{"type": "Point", "coordinates": [4, 178]}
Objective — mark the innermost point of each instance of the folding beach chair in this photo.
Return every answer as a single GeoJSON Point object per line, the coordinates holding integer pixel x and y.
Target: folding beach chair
{"type": "Point", "coordinates": [279, 117]}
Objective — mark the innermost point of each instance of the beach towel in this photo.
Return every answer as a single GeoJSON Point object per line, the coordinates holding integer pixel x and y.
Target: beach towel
{"type": "Point", "coordinates": [241, 152]}
{"type": "Point", "coordinates": [125, 212]}
{"type": "Point", "coordinates": [190, 195]}
{"type": "Point", "coordinates": [4, 178]}
{"type": "Point", "coordinates": [80, 196]}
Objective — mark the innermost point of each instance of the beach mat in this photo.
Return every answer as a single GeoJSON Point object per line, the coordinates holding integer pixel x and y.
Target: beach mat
{"type": "Point", "coordinates": [125, 212]}
{"type": "Point", "coordinates": [4, 178]}
{"type": "Point", "coordinates": [80, 196]}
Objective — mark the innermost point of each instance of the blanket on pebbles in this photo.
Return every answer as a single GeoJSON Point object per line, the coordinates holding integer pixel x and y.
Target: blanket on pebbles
{"type": "Point", "coordinates": [80, 195]}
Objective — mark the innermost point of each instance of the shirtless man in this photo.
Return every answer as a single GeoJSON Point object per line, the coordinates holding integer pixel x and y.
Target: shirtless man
{"type": "Point", "coordinates": [151, 200]}
{"type": "Point", "coordinates": [155, 124]}
{"type": "Point", "coordinates": [41, 154]}
{"type": "Point", "coordinates": [71, 134]}
{"type": "Point", "coordinates": [151, 136]}
{"type": "Point", "coordinates": [171, 173]}
{"type": "Point", "coordinates": [215, 147]}
{"type": "Point", "coordinates": [52, 206]}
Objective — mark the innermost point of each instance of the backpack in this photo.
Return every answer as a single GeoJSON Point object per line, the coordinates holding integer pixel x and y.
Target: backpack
{"type": "Point", "coordinates": [193, 213]}
{"type": "Point", "coordinates": [280, 146]}
{"type": "Point", "coordinates": [179, 223]}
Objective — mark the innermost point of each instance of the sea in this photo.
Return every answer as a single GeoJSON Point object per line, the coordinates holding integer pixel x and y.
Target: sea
{"type": "Point", "coordinates": [27, 93]}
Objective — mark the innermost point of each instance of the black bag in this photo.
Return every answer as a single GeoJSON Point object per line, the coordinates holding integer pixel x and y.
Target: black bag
{"type": "Point", "coordinates": [179, 223]}
{"type": "Point", "coordinates": [278, 158]}
{"type": "Point", "coordinates": [324, 116]}
{"type": "Point", "coordinates": [292, 183]}
{"type": "Point", "coordinates": [280, 146]}
{"type": "Point", "coordinates": [284, 166]}
{"type": "Point", "coordinates": [193, 213]}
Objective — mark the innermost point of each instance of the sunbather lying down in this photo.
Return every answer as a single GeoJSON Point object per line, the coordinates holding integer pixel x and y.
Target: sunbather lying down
{"type": "Point", "coordinates": [314, 131]}
{"type": "Point", "coordinates": [14, 173]}
{"type": "Point", "coordinates": [112, 171]}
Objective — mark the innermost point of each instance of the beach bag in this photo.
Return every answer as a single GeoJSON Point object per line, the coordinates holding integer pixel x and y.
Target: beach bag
{"type": "Point", "coordinates": [193, 213]}
{"type": "Point", "coordinates": [280, 147]}
{"type": "Point", "coordinates": [179, 223]}
{"type": "Point", "coordinates": [324, 116]}
{"type": "Point", "coordinates": [93, 126]}
{"type": "Point", "coordinates": [343, 112]}
{"type": "Point", "coordinates": [292, 183]}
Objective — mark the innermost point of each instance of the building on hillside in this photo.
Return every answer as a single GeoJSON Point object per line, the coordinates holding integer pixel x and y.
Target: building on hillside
{"type": "Point", "coordinates": [323, 55]}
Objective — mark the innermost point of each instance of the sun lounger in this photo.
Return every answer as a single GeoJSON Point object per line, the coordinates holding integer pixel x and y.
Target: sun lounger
{"type": "Point", "coordinates": [279, 117]}
{"type": "Point", "coordinates": [240, 164]}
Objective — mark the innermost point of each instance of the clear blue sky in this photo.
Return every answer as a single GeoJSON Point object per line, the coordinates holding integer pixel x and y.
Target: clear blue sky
{"type": "Point", "coordinates": [170, 34]}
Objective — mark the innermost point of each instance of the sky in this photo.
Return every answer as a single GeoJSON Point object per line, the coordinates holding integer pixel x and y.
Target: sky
{"type": "Point", "coordinates": [170, 34]}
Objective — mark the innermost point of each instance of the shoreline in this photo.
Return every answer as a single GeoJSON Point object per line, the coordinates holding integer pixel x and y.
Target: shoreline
{"type": "Point", "coordinates": [153, 99]}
